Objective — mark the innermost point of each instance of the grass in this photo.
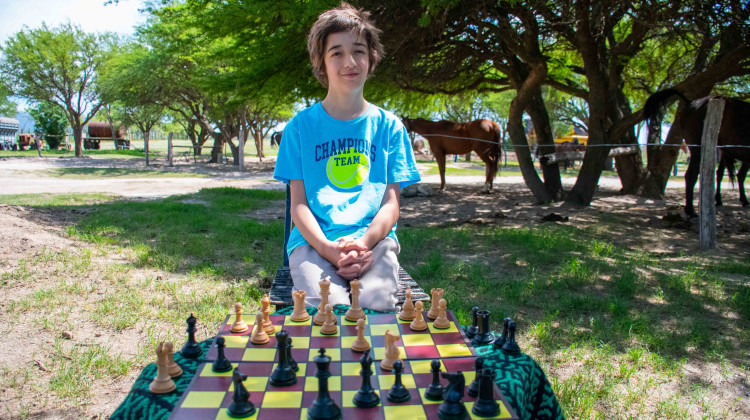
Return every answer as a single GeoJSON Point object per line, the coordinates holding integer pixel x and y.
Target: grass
{"type": "Point", "coordinates": [90, 173]}
{"type": "Point", "coordinates": [613, 327]}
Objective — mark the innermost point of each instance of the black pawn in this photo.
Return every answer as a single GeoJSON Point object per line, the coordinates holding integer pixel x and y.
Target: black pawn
{"type": "Point", "coordinates": [191, 349]}
{"type": "Point", "coordinates": [510, 345]}
{"type": "Point", "coordinates": [366, 396]}
{"type": "Point", "coordinates": [323, 408]}
{"type": "Point", "coordinates": [241, 406]}
{"type": "Point", "coordinates": [222, 364]}
{"type": "Point", "coordinates": [452, 408]}
{"type": "Point", "coordinates": [283, 375]}
{"type": "Point", "coordinates": [474, 386]}
{"type": "Point", "coordinates": [485, 405]}
{"type": "Point", "coordinates": [292, 362]}
{"type": "Point", "coordinates": [398, 392]}
{"type": "Point", "coordinates": [483, 336]}
{"type": "Point", "coordinates": [499, 341]}
{"type": "Point", "coordinates": [434, 391]}
{"type": "Point", "coordinates": [471, 331]}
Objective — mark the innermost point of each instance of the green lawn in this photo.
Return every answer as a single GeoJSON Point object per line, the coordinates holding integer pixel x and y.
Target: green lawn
{"type": "Point", "coordinates": [611, 326]}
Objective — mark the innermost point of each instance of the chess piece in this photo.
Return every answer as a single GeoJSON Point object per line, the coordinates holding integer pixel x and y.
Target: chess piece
{"type": "Point", "coordinates": [283, 374]}
{"type": "Point", "coordinates": [419, 324]}
{"type": "Point", "coordinates": [452, 407]}
{"type": "Point", "coordinates": [221, 364]}
{"type": "Point", "coordinates": [471, 331]}
{"type": "Point", "coordinates": [329, 326]}
{"type": "Point", "coordinates": [191, 349]}
{"type": "Point", "coordinates": [398, 392]}
{"type": "Point", "coordinates": [437, 294]}
{"type": "Point", "coordinates": [391, 351]}
{"type": "Point", "coordinates": [499, 341]}
{"type": "Point", "coordinates": [360, 344]}
{"type": "Point", "coordinates": [484, 335]}
{"type": "Point", "coordinates": [325, 286]}
{"type": "Point", "coordinates": [259, 334]}
{"type": "Point", "coordinates": [265, 308]}
{"type": "Point", "coordinates": [239, 325]}
{"type": "Point", "coordinates": [323, 408]}
{"type": "Point", "coordinates": [163, 383]}
{"type": "Point", "coordinates": [434, 391]}
{"type": "Point", "coordinates": [292, 362]}
{"type": "Point", "coordinates": [442, 322]}
{"type": "Point", "coordinates": [300, 313]}
{"type": "Point", "coordinates": [510, 345]}
{"type": "Point", "coordinates": [366, 396]}
{"type": "Point", "coordinates": [355, 311]}
{"type": "Point", "coordinates": [173, 369]}
{"type": "Point", "coordinates": [485, 405]}
{"type": "Point", "coordinates": [241, 406]}
{"type": "Point", "coordinates": [407, 311]}
{"type": "Point", "coordinates": [474, 386]}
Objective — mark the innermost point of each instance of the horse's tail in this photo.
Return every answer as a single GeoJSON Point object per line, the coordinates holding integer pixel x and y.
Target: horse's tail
{"type": "Point", "coordinates": [496, 139]}
{"type": "Point", "coordinates": [729, 164]}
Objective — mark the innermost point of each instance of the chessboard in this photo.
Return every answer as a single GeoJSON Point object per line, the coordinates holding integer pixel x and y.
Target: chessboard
{"type": "Point", "coordinates": [209, 394]}
{"type": "Point", "coordinates": [432, 343]}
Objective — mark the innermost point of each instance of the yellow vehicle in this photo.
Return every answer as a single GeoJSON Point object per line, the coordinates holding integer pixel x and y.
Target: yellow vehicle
{"type": "Point", "coordinates": [573, 138]}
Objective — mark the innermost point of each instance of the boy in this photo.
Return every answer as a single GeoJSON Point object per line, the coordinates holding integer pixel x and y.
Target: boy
{"type": "Point", "coordinates": [345, 161]}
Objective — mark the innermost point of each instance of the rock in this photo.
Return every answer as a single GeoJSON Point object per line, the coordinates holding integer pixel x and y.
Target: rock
{"type": "Point", "coordinates": [554, 217]}
{"type": "Point", "coordinates": [499, 215]}
{"type": "Point", "coordinates": [410, 191]}
{"type": "Point", "coordinates": [67, 335]}
{"type": "Point", "coordinates": [424, 190]}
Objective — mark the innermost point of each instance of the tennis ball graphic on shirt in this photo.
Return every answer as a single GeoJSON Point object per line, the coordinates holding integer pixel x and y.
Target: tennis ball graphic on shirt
{"type": "Point", "coordinates": [348, 169]}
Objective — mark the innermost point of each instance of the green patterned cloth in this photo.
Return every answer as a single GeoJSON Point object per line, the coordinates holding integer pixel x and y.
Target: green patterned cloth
{"type": "Point", "coordinates": [519, 377]}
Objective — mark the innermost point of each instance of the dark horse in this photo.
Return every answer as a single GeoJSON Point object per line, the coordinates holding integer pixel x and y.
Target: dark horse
{"type": "Point", "coordinates": [276, 138]}
{"type": "Point", "coordinates": [445, 137]}
{"type": "Point", "coordinates": [734, 130]}
{"type": "Point", "coordinates": [728, 163]}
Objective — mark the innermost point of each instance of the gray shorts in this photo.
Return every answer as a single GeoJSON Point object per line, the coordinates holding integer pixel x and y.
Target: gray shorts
{"type": "Point", "coordinates": [377, 286]}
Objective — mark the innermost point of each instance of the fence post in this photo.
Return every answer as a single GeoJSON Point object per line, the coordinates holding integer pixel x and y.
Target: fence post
{"type": "Point", "coordinates": [169, 150]}
{"type": "Point", "coordinates": [709, 138]}
{"type": "Point", "coordinates": [241, 152]}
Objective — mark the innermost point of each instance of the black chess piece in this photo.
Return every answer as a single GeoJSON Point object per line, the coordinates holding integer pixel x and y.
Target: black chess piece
{"type": "Point", "coordinates": [292, 362]}
{"type": "Point", "coordinates": [510, 345]}
{"type": "Point", "coordinates": [474, 386]}
{"type": "Point", "coordinates": [323, 408]}
{"type": "Point", "coordinates": [366, 396]}
{"type": "Point", "coordinates": [284, 374]}
{"type": "Point", "coordinates": [398, 392]}
{"type": "Point", "coordinates": [499, 341]}
{"type": "Point", "coordinates": [483, 336]}
{"type": "Point", "coordinates": [452, 408]}
{"type": "Point", "coordinates": [221, 364]}
{"type": "Point", "coordinates": [434, 391]}
{"type": "Point", "coordinates": [485, 405]}
{"type": "Point", "coordinates": [241, 406]}
{"type": "Point", "coordinates": [191, 349]}
{"type": "Point", "coordinates": [471, 331]}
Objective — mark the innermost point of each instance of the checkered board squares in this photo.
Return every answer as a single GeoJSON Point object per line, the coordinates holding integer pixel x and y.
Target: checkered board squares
{"type": "Point", "coordinates": [210, 394]}
{"type": "Point", "coordinates": [432, 343]}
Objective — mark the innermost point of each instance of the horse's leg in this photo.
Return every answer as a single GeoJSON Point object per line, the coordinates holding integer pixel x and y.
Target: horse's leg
{"type": "Point", "coordinates": [440, 158]}
{"type": "Point", "coordinates": [691, 175]}
{"type": "Point", "coordinates": [489, 171]}
{"type": "Point", "coordinates": [741, 181]}
{"type": "Point", "coordinates": [719, 176]}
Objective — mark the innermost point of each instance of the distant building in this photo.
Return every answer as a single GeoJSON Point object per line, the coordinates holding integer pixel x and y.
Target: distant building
{"type": "Point", "coordinates": [8, 130]}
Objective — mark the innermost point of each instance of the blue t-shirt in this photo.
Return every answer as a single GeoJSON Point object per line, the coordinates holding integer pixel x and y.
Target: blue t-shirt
{"type": "Point", "coordinates": [346, 166]}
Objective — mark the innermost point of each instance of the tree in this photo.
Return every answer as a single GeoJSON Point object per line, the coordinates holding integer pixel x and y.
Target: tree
{"type": "Point", "coordinates": [51, 121]}
{"type": "Point", "coordinates": [7, 106]}
{"type": "Point", "coordinates": [60, 66]}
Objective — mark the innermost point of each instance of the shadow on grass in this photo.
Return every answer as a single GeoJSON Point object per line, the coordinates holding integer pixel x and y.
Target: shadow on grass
{"type": "Point", "coordinates": [566, 287]}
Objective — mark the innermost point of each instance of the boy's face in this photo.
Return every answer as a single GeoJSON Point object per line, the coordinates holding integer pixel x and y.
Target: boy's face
{"type": "Point", "coordinates": [347, 61]}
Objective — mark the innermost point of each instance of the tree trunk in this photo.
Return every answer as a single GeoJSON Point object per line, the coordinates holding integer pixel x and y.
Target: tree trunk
{"type": "Point", "coordinates": [258, 137]}
{"type": "Point", "coordinates": [523, 154]}
{"type": "Point", "coordinates": [145, 143]}
{"type": "Point", "coordinates": [235, 149]}
{"type": "Point", "coordinates": [78, 136]}
{"type": "Point", "coordinates": [217, 149]}
{"type": "Point", "coordinates": [661, 161]}
{"type": "Point", "coordinates": [546, 145]}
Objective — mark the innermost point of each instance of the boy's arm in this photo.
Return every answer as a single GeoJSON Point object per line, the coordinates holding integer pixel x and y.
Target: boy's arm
{"type": "Point", "coordinates": [309, 228]}
{"type": "Point", "coordinates": [383, 221]}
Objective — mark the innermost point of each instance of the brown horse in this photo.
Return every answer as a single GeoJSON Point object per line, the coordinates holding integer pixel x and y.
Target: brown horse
{"type": "Point", "coordinates": [734, 131]}
{"type": "Point", "coordinates": [445, 137]}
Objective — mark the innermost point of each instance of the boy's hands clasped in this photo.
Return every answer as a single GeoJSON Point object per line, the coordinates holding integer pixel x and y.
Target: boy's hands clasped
{"type": "Point", "coordinates": [355, 257]}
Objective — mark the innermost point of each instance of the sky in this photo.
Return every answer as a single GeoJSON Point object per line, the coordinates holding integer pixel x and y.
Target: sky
{"type": "Point", "coordinates": [91, 15]}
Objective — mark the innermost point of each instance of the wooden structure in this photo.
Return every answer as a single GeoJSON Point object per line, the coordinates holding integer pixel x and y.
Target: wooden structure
{"type": "Point", "coordinates": [8, 129]}
{"type": "Point", "coordinates": [281, 289]}
{"type": "Point", "coordinates": [98, 131]}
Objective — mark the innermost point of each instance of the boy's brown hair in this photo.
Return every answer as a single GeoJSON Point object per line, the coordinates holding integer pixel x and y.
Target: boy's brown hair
{"type": "Point", "coordinates": [344, 18]}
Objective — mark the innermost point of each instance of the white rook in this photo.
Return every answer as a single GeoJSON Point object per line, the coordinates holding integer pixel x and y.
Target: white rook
{"type": "Point", "coordinates": [710, 135]}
